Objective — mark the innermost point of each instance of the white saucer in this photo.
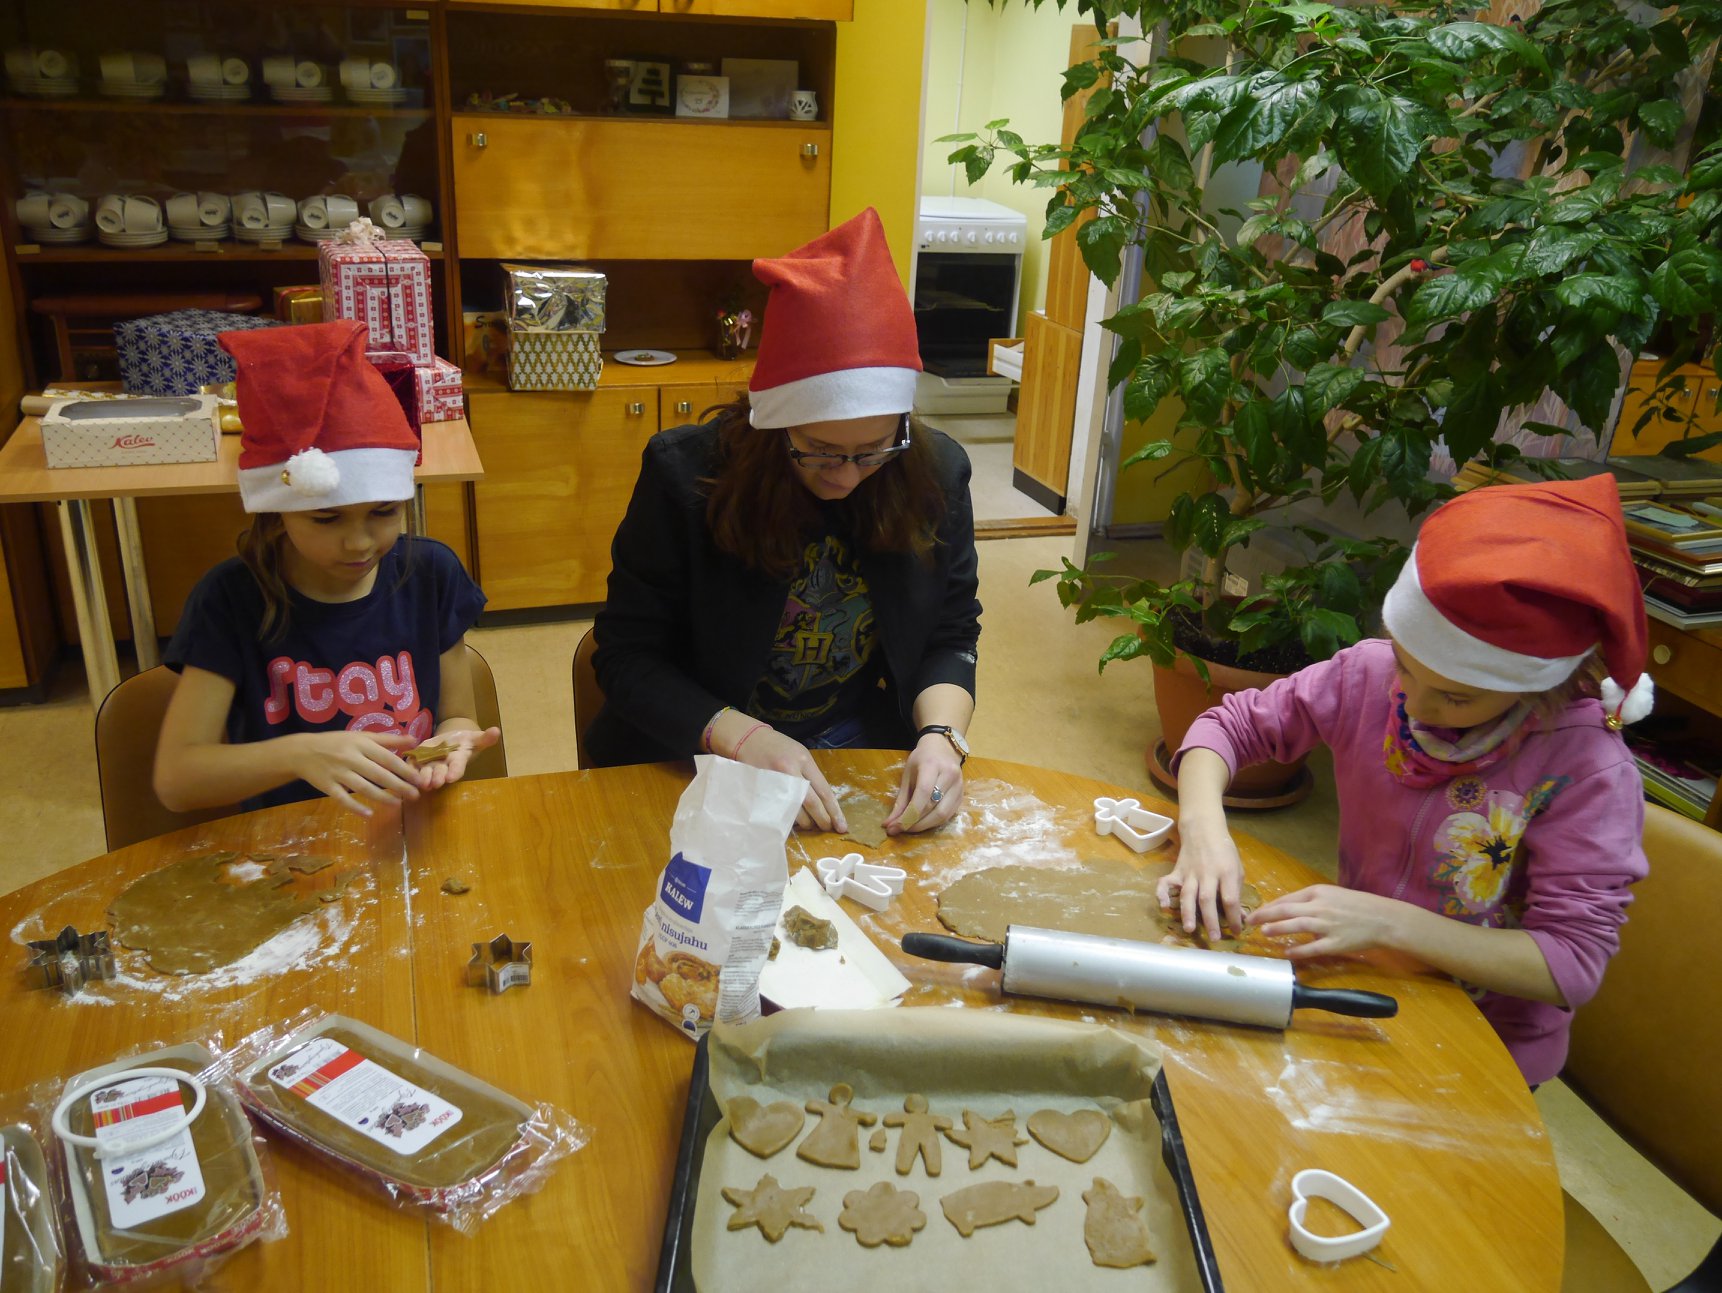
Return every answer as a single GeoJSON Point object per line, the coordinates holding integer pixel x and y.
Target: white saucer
{"type": "Point", "coordinates": [644, 358]}
{"type": "Point", "coordinates": [307, 234]}
{"type": "Point", "coordinates": [43, 88]}
{"type": "Point", "coordinates": [52, 233]}
{"type": "Point", "coordinates": [131, 239]}
{"type": "Point", "coordinates": [274, 233]}
{"type": "Point", "coordinates": [200, 232]}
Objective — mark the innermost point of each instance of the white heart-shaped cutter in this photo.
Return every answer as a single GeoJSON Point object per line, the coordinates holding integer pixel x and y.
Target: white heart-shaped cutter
{"type": "Point", "coordinates": [1127, 820]}
{"type": "Point", "coordinates": [869, 884]}
{"type": "Point", "coordinates": [1313, 1183]}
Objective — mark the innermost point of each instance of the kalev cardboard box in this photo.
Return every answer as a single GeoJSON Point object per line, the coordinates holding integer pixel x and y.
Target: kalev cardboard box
{"type": "Point", "coordinates": [554, 361]}
{"type": "Point", "coordinates": [386, 286]}
{"type": "Point", "coordinates": [177, 353]}
{"type": "Point", "coordinates": [122, 433]}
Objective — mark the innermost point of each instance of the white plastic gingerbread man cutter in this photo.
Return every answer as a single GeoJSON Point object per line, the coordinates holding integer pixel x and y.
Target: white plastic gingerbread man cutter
{"type": "Point", "coordinates": [1129, 821]}
{"type": "Point", "coordinates": [851, 877]}
{"type": "Point", "coordinates": [1364, 1210]}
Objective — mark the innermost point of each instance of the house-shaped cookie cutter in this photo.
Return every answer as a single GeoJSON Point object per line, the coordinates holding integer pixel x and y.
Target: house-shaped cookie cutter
{"type": "Point", "coordinates": [500, 964]}
{"type": "Point", "coordinates": [1129, 821]}
{"type": "Point", "coordinates": [70, 960]}
{"type": "Point", "coordinates": [867, 883]}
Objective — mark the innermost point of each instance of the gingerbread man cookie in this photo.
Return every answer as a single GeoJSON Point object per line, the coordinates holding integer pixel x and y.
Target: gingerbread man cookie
{"type": "Point", "coordinates": [920, 1135]}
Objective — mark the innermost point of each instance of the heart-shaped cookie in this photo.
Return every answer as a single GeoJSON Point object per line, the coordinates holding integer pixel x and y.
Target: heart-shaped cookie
{"type": "Point", "coordinates": [1312, 1184]}
{"type": "Point", "coordinates": [1077, 1136]}
{"type": "Point", "coordinates": [762, 1130]}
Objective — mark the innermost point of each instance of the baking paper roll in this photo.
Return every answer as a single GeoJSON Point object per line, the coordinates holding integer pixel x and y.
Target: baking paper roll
{"type": "Point", "coordinates": [111, 213]}
{"type": "Point", "coordinates": [383, 76]}
{"type": "Point", "coordinates": [235, 71]}
{"type": "Point", "coordinates": [308, 75]}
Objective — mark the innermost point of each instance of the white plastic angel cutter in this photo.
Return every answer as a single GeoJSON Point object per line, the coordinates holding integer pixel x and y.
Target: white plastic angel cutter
{"type": "Point", "coordinates": [869, 884]}
{"type": "Point", "coordinates": [1364, 1210]}
{"type": "Point", "coordinates": [1130, 822]}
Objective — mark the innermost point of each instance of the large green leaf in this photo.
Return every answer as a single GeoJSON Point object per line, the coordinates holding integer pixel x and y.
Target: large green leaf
{"type": "Point", "coordinates": [1327, 386]}
{"type": "Point", "coordinates": [1206, 379]}
{"type": "Point", "coordinates": [1380, 138]}
{"type": "Point", "coordinates": [1472, 415]}
{"type": "Point", "coordinates": [1264, 118]}
{"type": "Point", "coordinates": [1448, 295]}
{"type": "Point", "coordinates": [1553, 247]}
{"type": "Point", "coordinates": [1689, 281]}
{"type": "Point", "coordinates": [1102, 243]}
{"type": "Point", "coordinates": [1466, 41]}
{"type": "Point", "coordinates": [1662, 121]}
{"type": "Point", "coordinates": [1351, 314]}
{"type": "Point", "coordinates": [1584, 290]}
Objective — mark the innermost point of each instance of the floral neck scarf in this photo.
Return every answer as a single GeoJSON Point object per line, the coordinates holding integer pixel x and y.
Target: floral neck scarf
{"type": "Point", "coordinates": [1421, 756]}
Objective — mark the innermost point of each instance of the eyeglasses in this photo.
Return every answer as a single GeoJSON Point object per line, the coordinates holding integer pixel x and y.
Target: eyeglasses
{"type": "Point", "coordinates": [832, 461]}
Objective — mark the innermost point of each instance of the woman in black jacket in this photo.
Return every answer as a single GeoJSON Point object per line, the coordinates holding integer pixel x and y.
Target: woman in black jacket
{"type": "Point", "coordinates": [800, 570]}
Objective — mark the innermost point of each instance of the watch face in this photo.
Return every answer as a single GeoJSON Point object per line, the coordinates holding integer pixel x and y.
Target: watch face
{"type": "Point", "coordinates": [958, 740]}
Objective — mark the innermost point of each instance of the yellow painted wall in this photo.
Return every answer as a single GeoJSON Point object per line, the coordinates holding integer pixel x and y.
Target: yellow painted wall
{"type": "Point", "coordinates": [876, 121]}
{"type": "Point", "coordinates": [985, 63]}
{"type": "Point", "coordinates": [1145, 492]}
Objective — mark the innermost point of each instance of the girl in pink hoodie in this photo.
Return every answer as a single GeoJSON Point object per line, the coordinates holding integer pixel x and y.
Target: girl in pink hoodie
{"type": "Point", "coordinates": [1491, 817]}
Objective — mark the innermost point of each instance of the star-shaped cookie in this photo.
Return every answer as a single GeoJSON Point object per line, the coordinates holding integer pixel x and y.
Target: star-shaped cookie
{"type": "Point", "coordinates": [770, 1207]}
{"type": "Point", "coordinates": [986, 1138]}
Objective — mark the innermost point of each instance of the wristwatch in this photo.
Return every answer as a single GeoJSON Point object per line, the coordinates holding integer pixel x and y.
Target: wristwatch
{"type": "Point", "coordinates": [950, 734]}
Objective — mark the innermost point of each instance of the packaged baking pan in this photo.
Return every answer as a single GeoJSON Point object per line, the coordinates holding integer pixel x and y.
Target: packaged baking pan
{"type": "Point", "coordinates": [162, 1168]}
{"type": "Point", "coordinates": [426, 1133]}
{"type": "Point", "coordinates": [31, 1259]}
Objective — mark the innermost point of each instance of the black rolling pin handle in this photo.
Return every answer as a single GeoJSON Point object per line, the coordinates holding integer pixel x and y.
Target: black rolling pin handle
{"type": "Point", "coordinates": [942, 947]}
{"type": "Point", "coordinates": [1342, 1001]}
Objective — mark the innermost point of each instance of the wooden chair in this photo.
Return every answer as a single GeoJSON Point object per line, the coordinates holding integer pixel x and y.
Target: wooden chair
{"type": "Point", "coordinates": [1647, 1048]}
{"type": "Point", "coordinates": [129, 723]}
{"type": "Point", "coordinates": [588, 696]}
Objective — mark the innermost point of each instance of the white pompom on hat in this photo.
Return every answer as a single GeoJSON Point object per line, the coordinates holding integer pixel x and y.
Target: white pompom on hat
{"type": "Point", "coordinates": [322, 427]}
{"type": "Point", "coordinates": [838, 340]}
{"type": "Point", "coordinates": [1510, 587]}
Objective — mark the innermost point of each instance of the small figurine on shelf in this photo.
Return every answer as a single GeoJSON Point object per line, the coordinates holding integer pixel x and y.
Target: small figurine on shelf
{"type": "Point", "coordinates": [735, 326]}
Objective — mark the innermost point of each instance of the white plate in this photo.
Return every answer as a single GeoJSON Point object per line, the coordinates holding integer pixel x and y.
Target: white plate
{"type": "Point", "coordinates": [200, 232]}
{"type": "Point", "coordinates": [132, 239]}
{"type": "Point", "coordinates": [644, 358]}
{"type": "Point", "coordinates": [58, 235]}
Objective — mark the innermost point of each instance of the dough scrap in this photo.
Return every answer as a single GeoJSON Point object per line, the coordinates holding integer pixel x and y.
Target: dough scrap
{"type": "Point", "coordinates": [920, 1135]}
{"type": "Point", "coordinates": [763, 1130]}
{"type": "Point", "coordinates": [882, 1214]}
{"type": "Point", "coordinates": [1107, 896]}
{"type": "Point", "coordinates": [771, 1207]}
{"type": "Point", "coordinates": [876, 1142]}
{"type": "Point", "coordinates": [192, 916]}
{"type": "Point", "coordinates": [986, 1138]}
{"type": "Point", "coordinates": [992, 1203]}
{"type": "Point", "coordinates": [807, 930]}
{"type": "Point", "coordinates": [425, 753]}
{"type": "Point", "coordinates": [865, 818]}
{"type": "Point", "coordinates": [455, 885]}
{"type": "Point", "coordinates": [1114, 1229]}
{"type": "Point", "coordinates": [836, 1141]}
{"type": "Point", "coordinates": [1077, 1136]}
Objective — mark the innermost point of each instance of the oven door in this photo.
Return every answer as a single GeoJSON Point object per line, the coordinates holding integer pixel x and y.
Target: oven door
{"type": "Point", "coordinates": [962, 300]}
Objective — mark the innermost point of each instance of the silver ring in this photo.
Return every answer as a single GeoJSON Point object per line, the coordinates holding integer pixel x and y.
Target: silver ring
{"type": "Point", "coordinates": [937, 794]}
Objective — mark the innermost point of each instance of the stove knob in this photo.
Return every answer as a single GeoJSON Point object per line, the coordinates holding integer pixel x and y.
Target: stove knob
{"type": "Point", "coordinates": [1013, 240]}
{"type": "Point", "coordinates": [971, 236]}
{"type": "Point", "coordinates": [989, 237]}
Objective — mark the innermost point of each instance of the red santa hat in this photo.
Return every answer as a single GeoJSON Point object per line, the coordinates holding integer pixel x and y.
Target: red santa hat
{"type": "Point", "coordinates": [322, 427]}
{"type": "Point", "coordinates": [838, 340]}
{"type": "Point", "coordinates": [1509, 588]}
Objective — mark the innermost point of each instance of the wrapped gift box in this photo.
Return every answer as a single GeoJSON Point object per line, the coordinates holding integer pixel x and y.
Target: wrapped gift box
{"type": "Point", "coordinates": [441, 398]}
{"type": "Point", "coordinates": [402, 375]}
{"type": "Point", "coordinates": [81, 432]}
{"type": "Point", "coordinates": [386, 285]}
{"type": "Point", "coordinates": [175, 354]}
{"type": "Point", "coordinates": [554, 361]}
{"type": "Point", "coordinates": [555, 298]}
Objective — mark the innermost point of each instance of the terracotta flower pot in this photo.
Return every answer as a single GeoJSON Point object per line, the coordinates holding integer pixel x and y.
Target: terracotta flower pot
{"type": "Point", "coordinates": [1181, 696]}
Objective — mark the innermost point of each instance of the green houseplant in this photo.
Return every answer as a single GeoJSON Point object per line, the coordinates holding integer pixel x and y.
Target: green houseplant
{"type": "Point", "coordinates": [1463, 218]}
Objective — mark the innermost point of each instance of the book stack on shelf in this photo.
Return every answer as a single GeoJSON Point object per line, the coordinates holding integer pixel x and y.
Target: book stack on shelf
{"type": "Point", "coordinates": [1524, 471]}
{"type": "Point", "coordinates": [1678, 775]}
{"type": "Point", "coordinates": [1678, 552]}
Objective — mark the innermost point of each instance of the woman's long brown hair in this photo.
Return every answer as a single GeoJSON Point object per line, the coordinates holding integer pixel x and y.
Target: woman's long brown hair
{"type": "Point", "coordinates": [762, 514]}
{"type": "Point", "coordinates": [260, 549]}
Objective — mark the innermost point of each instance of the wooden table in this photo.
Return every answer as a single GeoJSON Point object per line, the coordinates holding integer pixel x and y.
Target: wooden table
{"type": "Point", "coordinates": [25, 477]}
{"type": "Point", "coordinates": [1425, 1112]}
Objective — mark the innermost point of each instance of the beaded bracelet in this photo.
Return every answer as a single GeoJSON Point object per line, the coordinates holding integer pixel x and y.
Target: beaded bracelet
{"type": "Point", "coordinates": [736, 753]}
{"type": "Point", "coordinates": [706, 736]}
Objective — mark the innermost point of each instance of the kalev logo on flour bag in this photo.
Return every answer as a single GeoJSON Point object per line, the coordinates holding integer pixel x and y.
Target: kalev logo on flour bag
{"type": "Point", "coordinates": [708, 931]}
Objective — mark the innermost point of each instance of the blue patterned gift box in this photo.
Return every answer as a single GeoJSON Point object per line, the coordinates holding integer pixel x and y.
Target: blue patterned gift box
{"type": "Point", "coordinates": [176, 354]}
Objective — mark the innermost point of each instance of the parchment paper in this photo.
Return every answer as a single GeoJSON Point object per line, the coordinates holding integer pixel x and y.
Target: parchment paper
{"type": "Point", "coordinates": [958, 1059]}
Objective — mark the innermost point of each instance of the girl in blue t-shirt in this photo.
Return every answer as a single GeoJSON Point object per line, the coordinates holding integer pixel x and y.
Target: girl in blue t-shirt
{"type": "Point", "coordinates": [332, 644]}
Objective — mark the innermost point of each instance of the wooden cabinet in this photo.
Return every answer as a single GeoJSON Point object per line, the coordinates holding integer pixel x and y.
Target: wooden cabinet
{"type": "Point", "coordinates": [1683, 411]}
{"type": "Point", "coordinates": [821, 10]}
{"type": "Point", "coordinates": [1046, 409]}
{"type": "Point", "coordinates": [680, 405]}
{"type": "Point", "coordinates": [558, 471]}
{"type": "Point", "coordinates": [595, 189]}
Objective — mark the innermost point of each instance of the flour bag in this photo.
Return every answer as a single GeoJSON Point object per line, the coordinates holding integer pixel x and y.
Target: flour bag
{"type": "Point", "coordinates": [708, 931]}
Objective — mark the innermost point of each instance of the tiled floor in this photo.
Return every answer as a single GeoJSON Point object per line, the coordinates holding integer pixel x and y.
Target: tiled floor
{"type": "Point", "coordinates": [1041, 701]}
{"type": "Point", "coordinates": [989, 439]}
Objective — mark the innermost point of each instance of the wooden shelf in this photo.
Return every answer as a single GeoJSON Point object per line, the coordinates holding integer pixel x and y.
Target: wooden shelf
{"type": "Point", "coordinates": [313, 111]}
{"type": "Point", "coordinates": [170, 252]}
{"type": "Point", "coordinates": [658, 118]}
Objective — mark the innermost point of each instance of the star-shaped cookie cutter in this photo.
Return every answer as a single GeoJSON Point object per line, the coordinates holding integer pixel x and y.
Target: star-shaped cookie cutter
{"type": "Point", "coordinates": [70, 960]}
{"type": "Point", "coordinates": [1129, 821]}
{"type": "Point", "coordinates": [500, 964]}
{"type": "Point", "coordinates": [869, 884]}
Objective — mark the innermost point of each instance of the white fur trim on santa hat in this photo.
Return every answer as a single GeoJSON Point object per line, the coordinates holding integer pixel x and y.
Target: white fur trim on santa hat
{"type": "Point", "coordinates": [1439, 644]}
{"type": "Point", "coordinates": [1629, 706]}
{"type": "Point", "coordinates": [833, 397]}
{"type": "Point", "coordinates": [359, 476]}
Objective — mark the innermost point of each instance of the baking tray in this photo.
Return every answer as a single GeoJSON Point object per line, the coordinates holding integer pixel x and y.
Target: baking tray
{"type": "Point", "coordinates": [675, 1267]}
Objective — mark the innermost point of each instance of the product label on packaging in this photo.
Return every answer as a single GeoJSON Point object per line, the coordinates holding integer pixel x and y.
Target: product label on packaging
{"type": "Point", "coordinates": [157, 1181]}
{"type": "Point", "coordinates": [365, 1096]}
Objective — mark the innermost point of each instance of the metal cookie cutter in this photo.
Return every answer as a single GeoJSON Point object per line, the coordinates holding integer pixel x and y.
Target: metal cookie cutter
{"type": "Point", "coordinates": [851, 877]}
{"type": "Point", "coordinates": [1336, 1189]}
{"type": "Point", "coordinates": [1129, 821]}
{"type": "Point", "coordinates": [70, 960]}
{"type": "Point", "coordinates": [500, 964]}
